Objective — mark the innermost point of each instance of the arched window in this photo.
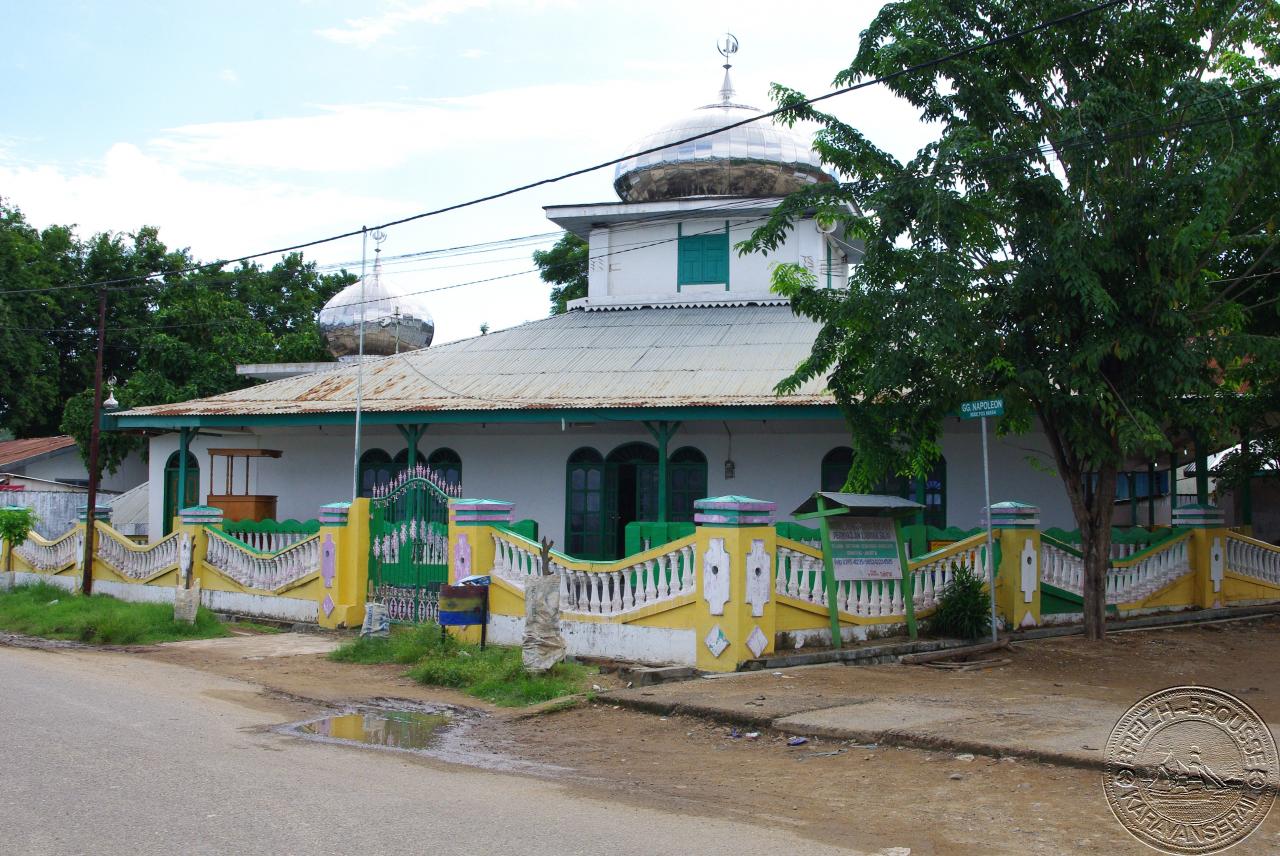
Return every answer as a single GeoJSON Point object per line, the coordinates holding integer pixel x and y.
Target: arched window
{"type": "Point", "coordinates": [172, 503]}
{"type": "Point", "coordinates": [584, 518]}
{"type": "Point", "coordinates": [686, 482]}
{"type": "Point", "coordinates": [447, 463]}
{"type": "Point", "coordinates": [835, 472]}
{"type": "Point", "coordinates": [835, 469]}
{"type": "Point", "coordinates": [376, 468]}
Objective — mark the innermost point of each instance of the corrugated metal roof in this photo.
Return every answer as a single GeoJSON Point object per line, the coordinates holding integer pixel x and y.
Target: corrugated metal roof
{"type": "Point", "coordinates": [650, 357]}
{"type": "Point", "coordinates": [14, 452]}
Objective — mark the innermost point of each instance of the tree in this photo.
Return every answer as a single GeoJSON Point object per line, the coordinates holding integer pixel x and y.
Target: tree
{"type": "Point", "coordinates": [565, 267]}
{"type": "Point", "coordinates": [173, 333]}
{"type": "Point", "coordinates": [203, 324]}
{"type": "Point", "coordinates": [16, 524]}
{"type": "Point", "coordinates": [1082, 238]}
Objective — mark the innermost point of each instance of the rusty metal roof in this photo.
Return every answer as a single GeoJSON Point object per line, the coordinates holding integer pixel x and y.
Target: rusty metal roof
{"type": "Point", "coordinates": [14, 452]}
{"type": "Point", "coordinates": [649, 357]}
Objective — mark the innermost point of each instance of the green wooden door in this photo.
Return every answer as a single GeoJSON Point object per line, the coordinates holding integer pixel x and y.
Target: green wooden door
{"type": "Point", "coordinates": [171, 504]}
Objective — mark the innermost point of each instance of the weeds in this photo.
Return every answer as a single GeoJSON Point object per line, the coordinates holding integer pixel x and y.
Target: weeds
{"type": "Point", "coordinates": [54, 613]}
{"type": "Point", "coordinates": [964, 610]}
{"type": "Point", "coordinates": [495, 674]}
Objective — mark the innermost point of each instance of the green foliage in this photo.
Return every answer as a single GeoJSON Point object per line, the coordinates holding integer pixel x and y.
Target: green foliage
{"type": "Point", "coordinates": [964, 610]}
{"type": "Point", "coordinates": [16, 523]}
{"type": "Point", "coordinates": [495, 674]}
{"type": "Point", "coordinates": [170, 337]}
{"type": "Point", "coordinates": [405, 645]}
{"type": "Point", "coordinates": [1073, 240]}
{"type": "Point", "coordinates": [565, 267]}
{"type": "Point", "coordinates": [53, 613]}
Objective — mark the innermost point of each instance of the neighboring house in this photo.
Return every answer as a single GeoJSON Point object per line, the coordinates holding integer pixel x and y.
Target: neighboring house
{"type": "Point", "coordinates": [655, 390]}
{"type": "Point", "coordinates": [47, 474]}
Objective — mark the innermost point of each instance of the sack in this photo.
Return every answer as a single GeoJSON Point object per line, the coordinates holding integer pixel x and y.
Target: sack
{"type": "Point", "coordinates": [376, 622]}
{"type": "Point", "coordinates": [543, 644]}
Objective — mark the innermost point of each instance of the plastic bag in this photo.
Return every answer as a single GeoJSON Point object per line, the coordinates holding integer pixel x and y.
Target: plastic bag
{"type": "Point", "coordinates": [543, 644]}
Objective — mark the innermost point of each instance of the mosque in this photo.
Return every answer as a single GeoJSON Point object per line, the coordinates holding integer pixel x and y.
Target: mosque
{"type": "Point", "coordinates": [653, 391]}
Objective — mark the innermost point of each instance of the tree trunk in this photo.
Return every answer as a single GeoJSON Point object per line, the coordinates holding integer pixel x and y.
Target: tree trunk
{"type": "Point", "coordinates": [1093, 508]}
{"type": "Point", "coordinates": [1095, 543]}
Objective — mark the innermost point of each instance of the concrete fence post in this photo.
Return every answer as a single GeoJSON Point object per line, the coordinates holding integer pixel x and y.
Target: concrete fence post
{"type": "Point", "coordinates": [735, 561]}
{"type": "Point", "coordinates": [1016, 528]}
{"type": "Point", "coordinates": [344, 562]}
{"type": "Point", "coordinates": [1207, 550]}
{"type": "Point", "coordinates": [471, 551]}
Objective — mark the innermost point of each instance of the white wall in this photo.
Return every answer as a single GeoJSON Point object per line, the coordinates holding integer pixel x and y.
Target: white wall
{"type": "Point", "coordinates": [66, 464]}
{"type": "Point", "coordinates": [640, 261]}
{"type": "Point", "coordinates": [525, 464]}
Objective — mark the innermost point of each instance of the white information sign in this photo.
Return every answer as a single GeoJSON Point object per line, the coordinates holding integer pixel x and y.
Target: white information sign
{"type": "Point", "coordinates": [864, 548]}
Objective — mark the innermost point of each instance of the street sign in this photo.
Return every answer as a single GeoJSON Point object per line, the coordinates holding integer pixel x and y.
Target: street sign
{"type": "Point", "coordinates": [864, 548]}
{"type": "Point", "coordinates": [981, 409]}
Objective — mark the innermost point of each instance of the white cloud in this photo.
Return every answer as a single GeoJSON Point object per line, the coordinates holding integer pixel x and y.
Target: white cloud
{"type": "Point", "coordinates": [367, 31]}
{"type": "Point", "coordinates": [362, 138]}
{"type": "Point", "coordinates": [228, 75]}
{"type": "Point", "coordinates": [474, 53]}
{"type": "Point", "coordinates": [128, 188]}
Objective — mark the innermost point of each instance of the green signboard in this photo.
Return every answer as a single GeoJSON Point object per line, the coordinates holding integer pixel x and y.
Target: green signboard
{"type": "Point", "coordinates": [864, 548]}
{"type": "Point", "coordinates": [979, 409]}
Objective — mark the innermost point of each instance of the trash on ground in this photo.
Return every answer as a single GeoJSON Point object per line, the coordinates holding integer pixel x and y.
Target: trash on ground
{"type": "Point", "coordinates": [797, 741]}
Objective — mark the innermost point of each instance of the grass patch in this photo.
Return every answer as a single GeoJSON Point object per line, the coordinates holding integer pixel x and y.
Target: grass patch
{"type": "Point", "coordinates": [54, 613]}
{"type": "Point", "coordinates": [494, 674]}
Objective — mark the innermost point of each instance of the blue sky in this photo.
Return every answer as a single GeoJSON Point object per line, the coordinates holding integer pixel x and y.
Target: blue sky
{"type": "Point", "coordinates": [236, 127]}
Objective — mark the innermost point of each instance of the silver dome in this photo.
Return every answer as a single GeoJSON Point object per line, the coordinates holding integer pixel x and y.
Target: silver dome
{"type": "Point", "coordinates": [759, 159]}
{"type": "Point", "coordinates": [393, 321]}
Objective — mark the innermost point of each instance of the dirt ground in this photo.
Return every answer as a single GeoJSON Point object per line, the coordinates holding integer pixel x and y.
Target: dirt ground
{"type": "Point", "coordinates": [933, 802]}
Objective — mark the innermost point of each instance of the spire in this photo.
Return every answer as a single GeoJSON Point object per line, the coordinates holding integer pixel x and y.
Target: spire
{"type": "Point", "coordinates": [726, 50]}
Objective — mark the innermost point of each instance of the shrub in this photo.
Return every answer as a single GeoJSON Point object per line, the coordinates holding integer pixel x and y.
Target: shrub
{"type": "Point", "coordinates": [16, 524]}
{"type": "Point", "coordinates": [964, 609]}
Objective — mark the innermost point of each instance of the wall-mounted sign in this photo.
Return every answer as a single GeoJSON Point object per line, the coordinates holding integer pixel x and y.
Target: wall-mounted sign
{"type": "Point", "coordinates": [864, 548]}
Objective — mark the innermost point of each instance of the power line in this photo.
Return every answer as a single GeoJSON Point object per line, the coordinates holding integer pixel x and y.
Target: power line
{"type": "Point", "coordinates": [1008, 37]}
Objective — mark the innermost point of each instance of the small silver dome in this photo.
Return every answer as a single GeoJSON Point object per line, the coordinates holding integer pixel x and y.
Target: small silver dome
{"type": "Point", "coordinates": [759, 159]}
{"type": "Point", "coordinates": [393, 321]}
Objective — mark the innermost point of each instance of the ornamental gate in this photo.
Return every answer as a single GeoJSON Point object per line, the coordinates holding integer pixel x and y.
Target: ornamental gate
{"type": "Point", "coordinates": [409, 543]}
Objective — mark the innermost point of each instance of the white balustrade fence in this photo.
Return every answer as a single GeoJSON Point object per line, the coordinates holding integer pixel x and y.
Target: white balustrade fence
{"type": "Point", "coordinates": [930, 578]}
{"type": "Point", "coordinates": [1251, 558]}
{"type": "Point", "coordinates": [269, 542]}
{"type": "Point", "coordinates": [1124, 584]}
{"type": "Point", "coordinates": [137, 563]}
{"type": "Point", "coordinates": [267, 571]}
{"type": "Point", "coordinates": [800, 576]}
{"type": "Point", "coordinates": [610, 592]}
{"type": "Point", "coordinates": [51, 556]}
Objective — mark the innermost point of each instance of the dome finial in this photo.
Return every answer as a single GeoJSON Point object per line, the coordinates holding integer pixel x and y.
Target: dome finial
{"type": "Point", "coordinates": [727, 49]}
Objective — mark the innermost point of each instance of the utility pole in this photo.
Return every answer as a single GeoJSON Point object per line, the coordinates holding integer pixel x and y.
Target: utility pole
{"type": "Point", "coordinates": [90, 519]}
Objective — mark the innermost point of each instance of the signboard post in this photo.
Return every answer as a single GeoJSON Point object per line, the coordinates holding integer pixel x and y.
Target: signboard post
{"type": "Point", "coordinates": [990, 407]}
{"type": "Point", "coordinates": [464, 606]}
{"type": "Point", "coordinates": [861, 542]}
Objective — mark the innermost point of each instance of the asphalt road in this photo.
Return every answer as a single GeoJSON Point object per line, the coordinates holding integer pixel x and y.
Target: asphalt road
{"type": "Point", "coordinates": [107, 754]}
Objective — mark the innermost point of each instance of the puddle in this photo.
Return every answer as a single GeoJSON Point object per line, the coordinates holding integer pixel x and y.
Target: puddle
{"type": "Point", "coordinates": [392, 729]}
{"type": "Point", "coordinates": [435, 731]}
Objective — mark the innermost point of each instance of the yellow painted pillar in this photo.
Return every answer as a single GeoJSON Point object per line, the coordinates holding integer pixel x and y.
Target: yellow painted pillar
{"type": "Point", "coordinates": [471, 548]}
{"type": "Point", "coordinates": [1206, 550]}
{"type": "Point", "coordinates": [344, 562]}
{"type": "Point", "coordinates": [734, 559]}
{"type": "Point", "coordinates": [1016, 528]}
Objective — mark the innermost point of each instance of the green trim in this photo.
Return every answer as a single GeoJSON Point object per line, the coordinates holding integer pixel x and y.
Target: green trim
{"type": "Point", "coordinates": [123, 421]}
{"type": "Point", "coordinates": [662, 434]}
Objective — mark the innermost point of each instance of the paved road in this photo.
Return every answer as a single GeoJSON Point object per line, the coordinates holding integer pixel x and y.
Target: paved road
{"type": "Point", "coordinates": [107, 754]}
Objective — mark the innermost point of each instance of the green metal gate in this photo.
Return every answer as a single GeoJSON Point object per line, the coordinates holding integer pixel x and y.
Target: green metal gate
{"type": "Point", "coordinates": [409, 543]}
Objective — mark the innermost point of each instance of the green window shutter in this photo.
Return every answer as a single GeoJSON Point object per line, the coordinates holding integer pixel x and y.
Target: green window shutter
{"type": "Point", "coordinates": [703, 258]}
